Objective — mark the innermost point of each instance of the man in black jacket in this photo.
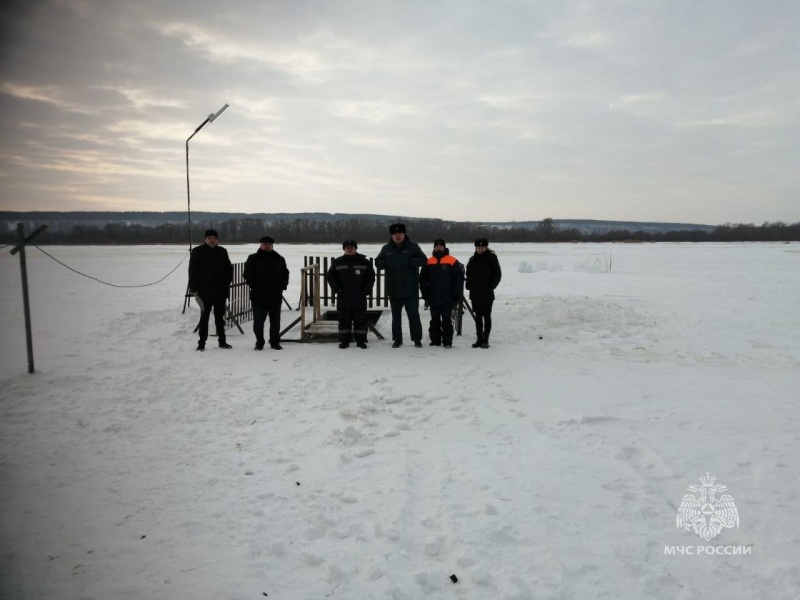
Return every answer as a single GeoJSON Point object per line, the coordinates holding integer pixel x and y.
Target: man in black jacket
{"type": "Point", "coordinates": [266, 274]}
{"type": "Point", "coordinates": [402, 260]}
{"type": "Point", "coordinates": [441, 282]}
{"type": "Point", "coordinates": [210, 276]}
{"type": "Point", "coordinates": [483, 276]}
{"type": "Point", "coordinates": [351, 277]}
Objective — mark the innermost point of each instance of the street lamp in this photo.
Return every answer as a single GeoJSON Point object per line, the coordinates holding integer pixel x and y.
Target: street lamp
{"type": "Point", "coordinates": [210, 119]}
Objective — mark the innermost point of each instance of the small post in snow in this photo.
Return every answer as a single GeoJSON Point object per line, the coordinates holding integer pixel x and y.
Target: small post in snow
{"type": "Point", "coordinates": [20, 247]}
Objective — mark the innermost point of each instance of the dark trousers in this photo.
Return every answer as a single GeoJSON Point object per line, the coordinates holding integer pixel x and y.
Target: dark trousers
{"type": "Point", "coordinates": [411, 304]}
{"type": "Point", "coordinates": [352, 319]}
{"type": "Point", "coordinates": [218, 304]}
{"type": "Point", "coordinates": [261, 310]}
{"type": "Point", "coordinates": [441, 327]}
{"type": "Point", "coordinates": [483, 319]}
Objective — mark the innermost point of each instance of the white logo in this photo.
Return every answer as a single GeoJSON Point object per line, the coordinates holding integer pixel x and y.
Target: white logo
{"type": "Point", "coordinates": [358, 271]}
{"type": "Point", "coordinates": [707, 514]}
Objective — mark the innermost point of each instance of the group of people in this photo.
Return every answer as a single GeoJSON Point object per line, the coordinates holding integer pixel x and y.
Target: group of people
{"type": "Point", "coordinates": [440, 279]}
{"type": "Point", "coordinates": [210, 277]}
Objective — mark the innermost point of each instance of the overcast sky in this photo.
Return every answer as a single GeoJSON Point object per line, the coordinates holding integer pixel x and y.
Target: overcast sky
{"type": "Point", "coordinates": [649, 110]}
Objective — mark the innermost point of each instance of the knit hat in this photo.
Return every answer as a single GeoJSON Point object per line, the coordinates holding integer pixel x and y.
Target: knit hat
{"type": "Point", "coordinates": [266, 240]}
{"type": "Point", "coordinates": [347, 243]}
{"type": "Point", "coordinates": [439, 242]}
{"type": "Point", "coordinates": [210, 233]}
{"type": "Point", "coordinates": [481, 242]}
{"type": "Point", "coordinates": [397, 228]}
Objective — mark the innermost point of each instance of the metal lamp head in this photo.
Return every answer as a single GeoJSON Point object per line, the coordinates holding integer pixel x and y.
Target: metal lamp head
{"type": "Point", "coordinates": [212, 118]}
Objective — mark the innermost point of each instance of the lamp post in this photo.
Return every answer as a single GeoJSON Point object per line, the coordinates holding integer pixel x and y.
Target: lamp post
{"type": "Point", "coordinates": [210, 119]}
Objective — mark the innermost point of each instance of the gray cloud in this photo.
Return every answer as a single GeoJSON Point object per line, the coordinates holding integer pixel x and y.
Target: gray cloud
{"type": "Point", "coordinates": [661, 110]}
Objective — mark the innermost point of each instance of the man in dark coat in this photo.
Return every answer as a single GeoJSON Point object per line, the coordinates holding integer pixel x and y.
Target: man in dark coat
{"type": "Point", "coordinates": [402, 260]}
{"type": "Point", "coordinates": [351, 277]}
{"type": "Point", "coordinates": [210, 276]}
{"type": "Point", "coordinates": [266, 274]}
{"type": "Point", "coordinates": [441, 282]}
{"type": "Point", "coordinates": [483, 276]}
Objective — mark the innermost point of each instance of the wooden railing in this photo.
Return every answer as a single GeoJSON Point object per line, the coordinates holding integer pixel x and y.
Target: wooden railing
{"type": "Point", "coordinates": [376, 298]}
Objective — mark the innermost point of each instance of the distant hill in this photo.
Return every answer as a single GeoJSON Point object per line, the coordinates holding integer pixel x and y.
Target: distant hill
{"type": "Point", "coordinates": [64, 221]}
{"type": "Point", "coordinates": [591, 226]}
{"type": "Point", "coordinates": [306, 228]}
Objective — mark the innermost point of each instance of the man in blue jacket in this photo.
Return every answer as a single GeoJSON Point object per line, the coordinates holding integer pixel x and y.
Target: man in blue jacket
{"type": "Point", "coordinates": [402, 259]}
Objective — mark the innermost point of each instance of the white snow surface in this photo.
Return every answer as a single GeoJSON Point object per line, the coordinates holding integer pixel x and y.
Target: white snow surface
{"type": "Point", "coordinates": [551, 465]}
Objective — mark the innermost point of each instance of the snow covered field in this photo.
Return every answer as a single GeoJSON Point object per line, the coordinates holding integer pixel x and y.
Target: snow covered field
{"type": "Point", "coordinates": [549, 466]}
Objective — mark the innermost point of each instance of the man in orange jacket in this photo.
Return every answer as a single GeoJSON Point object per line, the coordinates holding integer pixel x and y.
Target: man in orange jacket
{"type": "Point", "coordinates": [442, 284]}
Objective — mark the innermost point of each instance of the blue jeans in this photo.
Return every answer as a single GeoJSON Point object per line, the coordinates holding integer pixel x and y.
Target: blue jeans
{"type": "Point", "coordinates": [411, 304]}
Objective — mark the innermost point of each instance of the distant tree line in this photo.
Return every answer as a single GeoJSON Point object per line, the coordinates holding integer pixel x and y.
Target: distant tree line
{"type": "Point", "coordinates": [297, 231]}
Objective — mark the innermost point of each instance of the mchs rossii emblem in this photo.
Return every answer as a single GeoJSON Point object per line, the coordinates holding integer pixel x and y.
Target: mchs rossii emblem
{"type": "Point", "coordinates": [706, 510]}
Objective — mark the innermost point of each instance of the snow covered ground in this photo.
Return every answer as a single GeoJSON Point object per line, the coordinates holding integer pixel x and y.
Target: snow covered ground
{"type": "Point", "coordinates": [549, 466]}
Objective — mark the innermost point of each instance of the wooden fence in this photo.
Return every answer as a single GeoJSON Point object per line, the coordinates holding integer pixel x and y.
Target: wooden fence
{"type": "Point", "coordinates": [377, 296]}
{"type": "Point", "coordinates": [239, 308]}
